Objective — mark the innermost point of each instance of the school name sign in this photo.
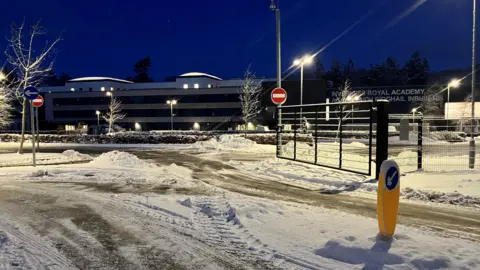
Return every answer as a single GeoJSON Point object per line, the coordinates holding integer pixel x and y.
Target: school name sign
{"type": "Point", "coordinates": [392, 95]}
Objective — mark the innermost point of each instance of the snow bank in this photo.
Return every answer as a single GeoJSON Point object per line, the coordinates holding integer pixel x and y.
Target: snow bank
{"type": "Point", "coordinates": [448, 188]}
{"type": "Point", "coordinates": [225, 142]}
{"type": "Point", "coordinates": [68, 156]}
{"type": "Point", "coordinates": [121, 159]}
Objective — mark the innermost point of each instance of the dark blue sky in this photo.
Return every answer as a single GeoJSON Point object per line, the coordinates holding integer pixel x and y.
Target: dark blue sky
{"type": "Point", "coordinates": [221, 37]}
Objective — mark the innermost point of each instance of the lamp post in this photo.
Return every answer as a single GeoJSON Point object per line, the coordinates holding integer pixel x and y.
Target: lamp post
{"type": "Point", "coordinates": [98, 117]}
{"type": "Point", "coordinates": [276, 8]}
{"type": "Point", "coordinates": [307, 59]}
{"type": "Point", "coordinates": [452, 84]}
{"type": "Point", "coordinates": [171, 103]}
{"type": "Point", "coordinates": [471, 163]}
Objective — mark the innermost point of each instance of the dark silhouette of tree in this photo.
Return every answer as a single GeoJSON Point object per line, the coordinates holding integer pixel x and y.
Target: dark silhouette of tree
{"type": "Point", "coordinates": [349, 69]}
{"type": "Point", "coordinates": [141, 70]}
{"type": "Point", "coordinates": [63, 78]}
{"type": "Point", "coordinates": [319, 70]}
{"type": "Point", "coordinates": [170, 78]}
{"type": "Point", "coordinates": [416, 70]}
{"type": "Point", "coordinates": [335, 76]}
{"type": "Point", "coordinates": [51, 79]}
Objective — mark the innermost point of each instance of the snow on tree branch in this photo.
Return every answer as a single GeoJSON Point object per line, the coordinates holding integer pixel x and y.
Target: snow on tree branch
{"type": "Point", "coordinates": [250, 96]}
{"type": "Point", "coordinates": [346, 94]}
{"type": "Point", "coordinates": [30, 63]}
{"type": "Point", "coordinates": [114, 113]}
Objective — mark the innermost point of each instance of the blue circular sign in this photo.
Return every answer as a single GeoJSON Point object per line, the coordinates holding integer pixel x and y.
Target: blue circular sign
{"type": "Point", "coordinates": [391, 178]}
{"type": "Point", "coordinates": [30, 92]}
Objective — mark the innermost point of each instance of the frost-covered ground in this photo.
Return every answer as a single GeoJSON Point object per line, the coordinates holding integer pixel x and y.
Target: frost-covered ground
{"type": "Point", "coordinates": [194, 224]}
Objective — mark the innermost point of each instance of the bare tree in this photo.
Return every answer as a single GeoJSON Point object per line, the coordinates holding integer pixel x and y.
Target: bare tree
{"type": "Point", "coordinates": [346, 94]}
{"type": "Point", "coordinates": [114, 113]}
{"type": "Point", "coordinates": [30, 63]}
{"type": "Point", "coordinates": [250, 96]}
{"type": "Point", "coordinates": [465, 114]}
{"type": "Point", "coordinates": [6, 100]}
{"type": "Point", "coordinates": [432, 102]}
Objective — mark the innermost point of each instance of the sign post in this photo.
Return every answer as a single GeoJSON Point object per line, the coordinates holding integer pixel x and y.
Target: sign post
{"type": "Point", "coordinates": [388, 197]}
{"type": "Point", "coordinates": [279, 96]}
{"type": "Point", "coordinates": [37, 103]}
{"type": "Point", "coordinates": [31, 93]}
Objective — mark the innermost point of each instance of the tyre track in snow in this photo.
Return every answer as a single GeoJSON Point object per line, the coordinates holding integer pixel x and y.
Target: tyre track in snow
{"type": "Point", "coordinates": [154, 237]}
{"type": "Point", "coordinates": [452, 222]}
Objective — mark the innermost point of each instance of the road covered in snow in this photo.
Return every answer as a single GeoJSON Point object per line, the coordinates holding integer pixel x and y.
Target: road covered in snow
{"type": "Point", "coordinates": [223, 204]}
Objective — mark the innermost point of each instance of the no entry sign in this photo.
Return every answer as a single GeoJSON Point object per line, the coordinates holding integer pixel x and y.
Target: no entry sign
{"type": "Point", "coordinates": [279, 96]}
{"type": "Point", "coordinates": [38, 102]}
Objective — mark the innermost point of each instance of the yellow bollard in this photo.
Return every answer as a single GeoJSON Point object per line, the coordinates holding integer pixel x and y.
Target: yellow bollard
{"type": "Point", "coordinates": [388, 197]}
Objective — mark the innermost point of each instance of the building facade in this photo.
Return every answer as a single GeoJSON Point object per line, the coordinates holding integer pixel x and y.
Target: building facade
{"type": "Point", "coordinates": [193, 101]}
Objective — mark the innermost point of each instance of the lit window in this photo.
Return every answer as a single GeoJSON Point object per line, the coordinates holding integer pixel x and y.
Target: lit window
{"type": "Point", "coordinates": [69, 127]}
{"type": "Point", "coordinates": [72, 89]}
{"type": "Point", "coordinates": [196, 86]}
{"type": "Point", "coordinates": [185, 86]}
{"type": "Point", "coordinates": [103, 89]}
{"type": "Point", "coordinates": [209, 86]}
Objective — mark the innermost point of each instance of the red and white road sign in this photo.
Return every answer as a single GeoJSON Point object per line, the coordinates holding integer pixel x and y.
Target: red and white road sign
{"type": "Point", "coordinates": [279, 96]}
{"type": "Point", "coordinates": [38, 102]}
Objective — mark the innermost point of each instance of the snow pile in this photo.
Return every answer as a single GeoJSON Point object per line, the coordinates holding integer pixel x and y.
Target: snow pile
{"type": "Point", "coordinates": [72, 154]}
{"type": "Point", "coordinates": [454, 198]}
{"type": "Point", "coordinates": [225, 142]}
{"type": "Point", "coordinates": [357, 144]}
{"type": "Point", "coordinates": [121, 159]}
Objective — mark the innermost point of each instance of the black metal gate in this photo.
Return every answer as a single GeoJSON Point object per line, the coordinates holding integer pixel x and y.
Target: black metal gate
{"type": "Point", "coordinates": [333, 135]}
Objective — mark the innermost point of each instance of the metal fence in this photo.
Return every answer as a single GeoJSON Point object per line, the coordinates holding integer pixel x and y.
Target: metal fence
{"type": "Point", "coordinates": [445, 145]}
{"type": "Point", "coordinates": [334, 135]}
{"type": "Point", "coordinates": [432, 143]}
{"type": "Point", "coordinates": [403, 144]}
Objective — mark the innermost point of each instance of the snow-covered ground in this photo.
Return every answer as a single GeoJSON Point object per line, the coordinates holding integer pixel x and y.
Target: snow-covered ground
{"type": "Point", "coordinates": [111, 167]}
{"type": "Point", "coordinates": [262, 233]}
{"type": "Point", "coordinates": [15, 159]}
{"type": "Point", "coordinates": [462, 188]}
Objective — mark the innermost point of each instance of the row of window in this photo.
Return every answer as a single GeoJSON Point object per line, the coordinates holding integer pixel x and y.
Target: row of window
{"type": "Point", "coordinates": [185, 86]}
{"type": "Point", "coordinates": [195, 85]}
{"type": "Point", "coordinates": [152, 113]}
{"type": "Point", "coordinates": [91, 89]}
{"type": "Point", "coordinates": [148, 99]}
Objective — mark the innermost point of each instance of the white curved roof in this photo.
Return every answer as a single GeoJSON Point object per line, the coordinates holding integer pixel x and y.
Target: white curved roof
{"type": "Point", "coordinates": [200, 74]}
{"type": "Point", "coordinates": [89, 79]}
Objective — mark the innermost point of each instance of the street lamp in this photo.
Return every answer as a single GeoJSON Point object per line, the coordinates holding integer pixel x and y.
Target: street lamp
{"type": "Point", "coordinates": [2, 76]}
{"type": "Point", "coordinates": [452, 84]}
{"type": "Point", "coordinates": [109, 94]}
{"type": "Point", "coordinates": [98, 117]}
{"type": "Point", "coordinates": [471, 155]}
{"type": "Point", "coordinates": [307, 59]}
{"type": "Point", "coordinates": [171, 103]}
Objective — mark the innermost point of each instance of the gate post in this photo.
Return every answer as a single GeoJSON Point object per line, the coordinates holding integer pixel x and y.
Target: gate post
{"type": "Point", "coordinates": [382, 135]}
{"type": "Point", "coordinates": [420, 144]}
